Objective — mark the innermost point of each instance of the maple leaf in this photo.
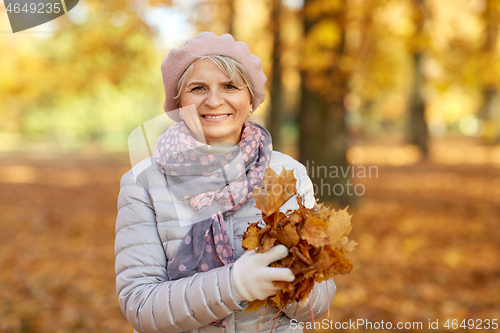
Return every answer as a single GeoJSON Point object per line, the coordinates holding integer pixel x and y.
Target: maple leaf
{"type": "Point", "coordinates": [255, 305]}
{"type": "Point", "coordinates": [275, 191]}
{"type": "Point", "coordinates": [278, 298]}
{"type": "Point", "coordinates": [313, 231]}
{"type": "Point", "coordinates": [281, 237]}
{"type": "Point", "coordinates": [350, 246]}
{"type": "Point", "coordinates": [339, 224]}
{"type": "Point", "coordinates": [292, 233]}
{"type": "Point", "coordinates": [305, 251]}
{"type": "Point", "coordinates": [267, 243]}
{"type": "Point", "coordinates": [251, 237]}
{"type": "Point", "coordinates": [345, 244]}
{"type": "Point", "coordinates": [316, 239]}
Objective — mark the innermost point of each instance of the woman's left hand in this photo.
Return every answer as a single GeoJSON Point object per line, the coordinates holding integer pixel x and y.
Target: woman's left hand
{"type": "Point", "coordinates": [252, 276]}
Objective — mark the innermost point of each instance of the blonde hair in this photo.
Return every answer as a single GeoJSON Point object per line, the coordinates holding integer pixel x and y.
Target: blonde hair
{"type": "Point", "coordinates": [233, 69]}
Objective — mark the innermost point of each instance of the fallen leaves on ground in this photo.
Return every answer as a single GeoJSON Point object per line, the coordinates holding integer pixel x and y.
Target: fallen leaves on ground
{"type": "Point", "coordinates": [428, 235]}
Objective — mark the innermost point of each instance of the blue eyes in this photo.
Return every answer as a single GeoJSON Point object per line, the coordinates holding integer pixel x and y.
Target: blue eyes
{"type": "Point", "coordinates": [228, 87]}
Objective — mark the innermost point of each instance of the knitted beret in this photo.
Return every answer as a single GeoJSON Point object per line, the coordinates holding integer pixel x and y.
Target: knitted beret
{"type": "Point", "coordinates": [204, 44]}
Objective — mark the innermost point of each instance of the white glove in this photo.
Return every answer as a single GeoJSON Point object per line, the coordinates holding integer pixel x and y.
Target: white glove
{"type": "Point", "coordinates": [252, 277]}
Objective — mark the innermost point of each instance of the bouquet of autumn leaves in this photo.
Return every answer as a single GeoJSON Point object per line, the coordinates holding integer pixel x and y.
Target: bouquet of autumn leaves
{"type": "Point", "coordinates": [316, 238]}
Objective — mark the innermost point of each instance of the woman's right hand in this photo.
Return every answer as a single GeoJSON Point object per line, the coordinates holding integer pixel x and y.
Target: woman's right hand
{"type": "Point", "coordinates": [252, 276]}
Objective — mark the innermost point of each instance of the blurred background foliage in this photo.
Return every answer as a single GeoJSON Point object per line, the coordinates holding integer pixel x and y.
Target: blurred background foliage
{"type": "Point", "coordinates": [95, 75]}
{"type": "Point", "coordinates": [408, 86]}
{"type": "Point", "coordinates": [341, 72]}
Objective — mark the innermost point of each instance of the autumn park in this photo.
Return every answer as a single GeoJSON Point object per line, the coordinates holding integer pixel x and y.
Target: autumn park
{"type": "Point", "coordinates": [393, 107]}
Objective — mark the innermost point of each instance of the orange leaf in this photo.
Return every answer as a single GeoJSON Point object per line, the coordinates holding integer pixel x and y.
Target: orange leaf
{"type": "Point", "coordinates": [313, 231]}
{"type": "Point", "coordinates": [339, 224]}
{"type": "Point", "coordinates": [291, 232]}
{"type": "Point", "coordinates": [275, 191]}
{"type": "Point", "coordinates": [251, 237]}
{"type": "Point", "coordinates": [255, 305]}
{"type": "Point", "coordinates": [316, 239]}
{"type": "Point", "coordinates": [277, 298]}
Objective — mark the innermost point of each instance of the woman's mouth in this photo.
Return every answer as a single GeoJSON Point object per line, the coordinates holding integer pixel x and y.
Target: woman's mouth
{"type": "Point", "coordinates": [214, 118]}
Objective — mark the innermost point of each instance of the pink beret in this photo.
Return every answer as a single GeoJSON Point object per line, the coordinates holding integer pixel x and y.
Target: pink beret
{"type": "Point", "coordinates": [208, 43]}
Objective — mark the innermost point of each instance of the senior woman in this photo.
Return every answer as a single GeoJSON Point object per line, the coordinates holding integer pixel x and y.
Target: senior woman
{"type": "Point", "coordinates": [179, 261]}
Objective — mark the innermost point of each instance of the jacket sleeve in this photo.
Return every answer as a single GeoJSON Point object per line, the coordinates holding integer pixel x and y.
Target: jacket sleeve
{"type": "Point", "coordinates": [321, 298]}
{"type": "Point", "coordinates": [323, 293]}
{"type": "Point", "coordinates": [149, 301]}
{"type": "Point", "coordinates": [305, 187]}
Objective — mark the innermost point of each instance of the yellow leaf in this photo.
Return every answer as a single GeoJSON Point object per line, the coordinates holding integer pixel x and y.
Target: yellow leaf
{"type": "Point", "coordinates": [251, 238]}
{"type": "Point", "coordinates": [255, 305]}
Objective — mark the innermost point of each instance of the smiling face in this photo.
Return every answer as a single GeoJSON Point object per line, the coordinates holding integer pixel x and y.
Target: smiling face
{"type": "Point", "coordinates": [222, 105]}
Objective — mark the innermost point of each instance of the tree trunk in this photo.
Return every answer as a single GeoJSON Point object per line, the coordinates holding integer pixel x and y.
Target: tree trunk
{"type": "Point", "coordinates": [231, 17]}
{"type": "Point", "coordinates": [274, 118]}
{"type": "Point", "coordinates": [370, 123]}
{"type": "Point", "coordinates": [418, 131]}
{"type": "Point", "coordinates": [490, 115]}
{"type": "Point", "coordinates": [489, 112]}
{"type": "Point", "coordinates": [323, 136]}
{"type": "Point", "coordinates": [419, 135]}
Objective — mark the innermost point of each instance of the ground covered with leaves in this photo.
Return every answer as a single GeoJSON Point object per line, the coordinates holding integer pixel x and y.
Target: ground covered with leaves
{"type": "Point", "coordinates": [428, 248]}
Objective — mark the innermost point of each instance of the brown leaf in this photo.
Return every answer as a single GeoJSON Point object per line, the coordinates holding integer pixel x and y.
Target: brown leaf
{"type": "Point", "coordinates": [304, 288]}
{"type": "Point", "coordinates": [316, 239]}
{"type": "Point", "coordinates": [285, 286]}
{"type": "Point", "coordinates": [314, 232]}
{"type": "Point", "coordinates": [275, 191]}
{"type": "Point", "coordinates": [281, 237]}
{"type": "Point", "coordinates": [292, 233]}
{"type": "Point", "coordinates": [286, 261]}
{"type": "Point", "coordinates": [298, 255]}
{"type": "Point", "coordinates": [266, 243]}
{"type": "Point", "coordinates": [305, 251]}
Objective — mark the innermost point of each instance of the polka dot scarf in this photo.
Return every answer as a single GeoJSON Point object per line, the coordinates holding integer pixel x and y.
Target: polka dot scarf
{"type": "Point", "coordinates": [216, 186]}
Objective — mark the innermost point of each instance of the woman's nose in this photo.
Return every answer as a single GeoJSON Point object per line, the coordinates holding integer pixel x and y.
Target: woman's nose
{"type": "Point", "coordinates": [214, 99]}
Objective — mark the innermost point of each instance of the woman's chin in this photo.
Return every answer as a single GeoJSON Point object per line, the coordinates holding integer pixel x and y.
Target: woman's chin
{"type": "Point", "coordinates": [217, 136]}
{"type": "Point", "coordinates": [218, 139]}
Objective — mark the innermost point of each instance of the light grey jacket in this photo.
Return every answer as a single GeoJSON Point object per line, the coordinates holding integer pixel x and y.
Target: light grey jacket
{"type": "Point", "coordinates": [149, 230]}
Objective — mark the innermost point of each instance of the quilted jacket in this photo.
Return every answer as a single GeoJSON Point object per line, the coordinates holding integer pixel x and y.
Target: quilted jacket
{"type": "Point", "coordinates": [149, 228]}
